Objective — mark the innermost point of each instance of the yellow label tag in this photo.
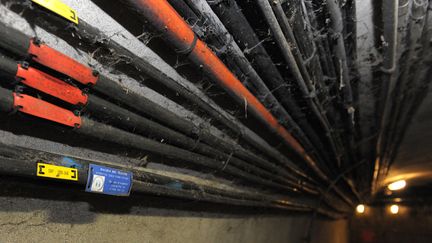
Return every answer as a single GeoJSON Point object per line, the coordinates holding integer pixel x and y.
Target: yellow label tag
{"type": "Point", "coordinates": [59, 8]}
{"type": "Point", "coordinates": [57, 172]}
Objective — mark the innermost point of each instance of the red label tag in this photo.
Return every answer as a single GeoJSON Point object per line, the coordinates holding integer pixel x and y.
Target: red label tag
{"type": "Point", "coordinates": [52, 86]}
{"type": "Point", "coordinates": [58, 61]}
{"type": "Point", "coordinates": [39, 108]}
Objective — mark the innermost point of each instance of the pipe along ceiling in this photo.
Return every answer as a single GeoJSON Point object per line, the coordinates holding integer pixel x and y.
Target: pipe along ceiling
{"type": "Point", "coordinates": [296, 105]}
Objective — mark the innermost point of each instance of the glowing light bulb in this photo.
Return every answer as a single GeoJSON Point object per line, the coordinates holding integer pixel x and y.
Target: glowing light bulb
{"type": "Point", "coordinates": [397, 185]}
{"type": "Point", "coordinates": [360, 208]}
{"type": "Point", "coordinates": [394, 209]}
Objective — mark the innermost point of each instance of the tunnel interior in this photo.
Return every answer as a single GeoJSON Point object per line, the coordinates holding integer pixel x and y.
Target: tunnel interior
{"type": "Point", "coordinates": [298, 121]}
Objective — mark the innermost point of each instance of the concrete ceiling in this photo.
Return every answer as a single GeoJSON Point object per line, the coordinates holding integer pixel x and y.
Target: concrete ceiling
{"type": "Point", "coordinates": [414, 157]}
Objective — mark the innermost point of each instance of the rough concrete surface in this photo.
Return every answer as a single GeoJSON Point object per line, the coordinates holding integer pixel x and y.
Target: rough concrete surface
{"type": "Point", "coordinates": [40, 220]}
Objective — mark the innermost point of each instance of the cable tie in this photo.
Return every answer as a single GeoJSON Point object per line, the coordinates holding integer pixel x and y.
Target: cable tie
{"type": "Point", "coordinates": [188, 50]}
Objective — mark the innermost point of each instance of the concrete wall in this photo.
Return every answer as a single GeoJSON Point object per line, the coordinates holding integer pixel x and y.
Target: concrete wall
{"type": "Point", "coordinates": [44, 214]}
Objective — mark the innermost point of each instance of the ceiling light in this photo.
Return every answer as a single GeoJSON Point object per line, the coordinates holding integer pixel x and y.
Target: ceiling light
{"type": "Point", "coordinates": [394, 209]}
{"type": "Point", "coordinates": [360, 208]}
{"type": "Point", "coordinates": [397, 185]}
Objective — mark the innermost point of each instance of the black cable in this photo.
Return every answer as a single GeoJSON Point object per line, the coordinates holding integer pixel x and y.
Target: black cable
{"type": "Point", "coordinates": [308, 234]}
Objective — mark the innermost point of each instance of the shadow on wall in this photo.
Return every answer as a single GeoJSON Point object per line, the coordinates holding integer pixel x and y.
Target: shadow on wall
{"type": "Point", "coordinates": [379, 225]}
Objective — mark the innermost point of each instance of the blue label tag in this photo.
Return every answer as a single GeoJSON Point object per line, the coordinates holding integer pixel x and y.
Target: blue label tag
{"type": "Point", "coordinates": [109, 181]}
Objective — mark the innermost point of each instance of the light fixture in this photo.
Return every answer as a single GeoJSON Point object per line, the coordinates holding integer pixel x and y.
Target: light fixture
{"type": "Point", "coordinates": [397, 185]}
{"type": "Point", "coordinates": [360, 208]}
{"type": "Point", "coordinates": [394, 209]}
